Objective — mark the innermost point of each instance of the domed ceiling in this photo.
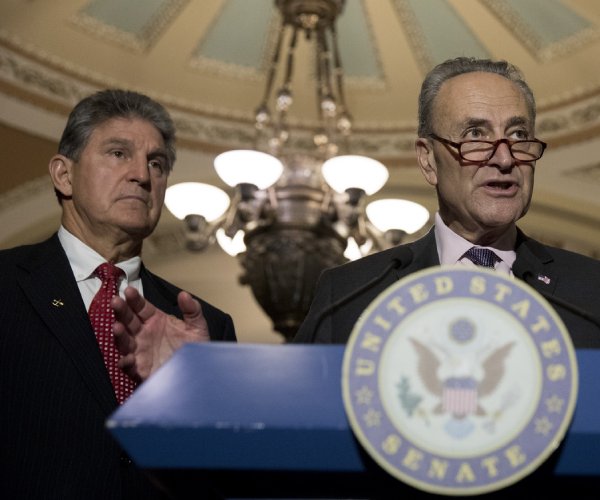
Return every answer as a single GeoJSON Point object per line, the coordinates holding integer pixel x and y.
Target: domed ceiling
{"type": "Point", "coordinates": [207, 60]}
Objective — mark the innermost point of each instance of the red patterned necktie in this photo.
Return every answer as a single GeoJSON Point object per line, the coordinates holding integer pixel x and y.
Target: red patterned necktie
{"type": "Point", "coordinates": [102, 317]}
{"type": "Point", "coordinates": [483, 257]}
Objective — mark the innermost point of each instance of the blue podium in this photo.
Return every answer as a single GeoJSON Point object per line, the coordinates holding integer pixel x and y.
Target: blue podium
{"type": "Point", "coordinates": [268, 421]}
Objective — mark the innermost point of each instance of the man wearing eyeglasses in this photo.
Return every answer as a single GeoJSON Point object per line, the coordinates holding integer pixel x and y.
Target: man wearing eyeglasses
{"type": "Point", "coordinates": [476, 146]}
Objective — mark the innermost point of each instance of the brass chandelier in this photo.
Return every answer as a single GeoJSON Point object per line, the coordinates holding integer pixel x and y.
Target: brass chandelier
{"type": "Point", "coordinates": [294, 213]}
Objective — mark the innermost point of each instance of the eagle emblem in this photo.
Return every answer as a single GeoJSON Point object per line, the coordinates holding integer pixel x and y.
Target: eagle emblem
{"type": "Point", "coordinates": [460, 374]}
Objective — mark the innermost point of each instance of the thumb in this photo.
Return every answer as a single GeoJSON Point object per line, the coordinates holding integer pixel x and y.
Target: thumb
{"type": "Point", "coordinates": [192, 314]}
{"type": "Point", "coordinates": [189, 306]}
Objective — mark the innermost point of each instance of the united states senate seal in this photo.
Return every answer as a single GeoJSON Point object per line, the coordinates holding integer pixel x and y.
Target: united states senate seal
{"type": "Point", "coordinates": [459, 381]}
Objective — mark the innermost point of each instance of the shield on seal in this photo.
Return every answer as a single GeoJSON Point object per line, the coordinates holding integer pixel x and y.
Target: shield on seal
{"type": "Point", "coordinates": [459, 396]}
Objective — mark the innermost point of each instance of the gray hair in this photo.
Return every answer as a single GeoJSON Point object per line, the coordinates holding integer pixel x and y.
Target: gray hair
{"type": "Point", "coordinates": [458, 66]}
{"type": "Point", "coordinates": [97, 108]}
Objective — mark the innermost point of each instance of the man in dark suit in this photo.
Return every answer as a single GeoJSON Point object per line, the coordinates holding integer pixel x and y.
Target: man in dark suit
{"type": "Point", "coordinates": [477, 147]}
{"type": "Point", "coordinates": [110, 177]}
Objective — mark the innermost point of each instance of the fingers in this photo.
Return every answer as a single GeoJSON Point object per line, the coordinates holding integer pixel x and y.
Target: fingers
{"type": "Point", "coordinates": [133, 311]}
{"type": "Point", "coordinates": [193, 316]}
{"type": "Point", "coordinates": [124, 342]}
{"type": "Point", "coordinates": [138, 304]}
{"type": "Point", "coordinates": [126, 326]}
{"type": "Point", "coordinates": [189, 306]}
{"type": "Point", "coordinates": [125, 315]}
{"type": "Point", "coordinates": [128, 365]}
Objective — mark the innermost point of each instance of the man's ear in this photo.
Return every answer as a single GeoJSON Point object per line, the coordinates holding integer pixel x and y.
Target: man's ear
{"type": "Point", "coordinates": [426, 160]}
{"type": "Point", "coordinates": [60, 168]}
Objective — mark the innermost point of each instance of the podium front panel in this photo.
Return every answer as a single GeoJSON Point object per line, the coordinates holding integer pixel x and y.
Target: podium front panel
{"type": "Point", "coordinates": [269, 420]}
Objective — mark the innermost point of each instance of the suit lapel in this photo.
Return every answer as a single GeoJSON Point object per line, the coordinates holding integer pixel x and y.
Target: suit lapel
{"type": "Point", "coordinates": [424, 255]}
{"type": "Point", "coordinates": [47, 280]}
{"type": "Point", "coordinates": [534, 258]}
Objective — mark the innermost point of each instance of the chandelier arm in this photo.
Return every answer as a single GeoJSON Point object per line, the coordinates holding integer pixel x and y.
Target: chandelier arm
{"type": "Point", "coordinates": [361, 225]}
{"type": "Point", "coordinates": [338, 70]}
{"type": "Point", "coordinates": [328, 201]}
{"type": "Point", "coordinates": [199, 233]}
{"type": "Point", "coordinates": [274, 63]}
{"type": "Point", "coordinates": [272, 197]}
{"type": "Point", "coordinates": [280, 130]}
{"type": "Point", "coordinates": [284, 96]}
{"type": "Point", "coordinates": [386, 239]}
{"type": "Point", "coordinates": [290, 59]}
{"type": "Point", "coordinates": [376, 236]}
{"type": "Point", "coordinates": [228, 219]}
{"type": "Point", "coordinates": [216, 224]}
{"type": "Point", "coordinates": [319, 81]}
{"type": "Point", "coordinates": [356, 218]}
{"type": "Point", "coordinates": [326, 60]}
{"type": "Point", "coordinates": [328, 99]}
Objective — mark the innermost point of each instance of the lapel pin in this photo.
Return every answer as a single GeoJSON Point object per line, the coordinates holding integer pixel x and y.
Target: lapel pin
{"type": "Point", "coordinates": [57, 302]}
{"type": "Point", "coordinates": [544, 279]}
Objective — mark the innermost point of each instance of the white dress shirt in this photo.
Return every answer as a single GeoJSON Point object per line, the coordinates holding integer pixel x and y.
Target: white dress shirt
{"type": "Point", "coordinates": [84, 262]}
{"type": "Point", "coordinates": [451, 247]}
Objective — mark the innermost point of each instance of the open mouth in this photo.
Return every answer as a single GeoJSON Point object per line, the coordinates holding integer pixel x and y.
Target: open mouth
{"type": "Point", "coordinates": [501, 186]}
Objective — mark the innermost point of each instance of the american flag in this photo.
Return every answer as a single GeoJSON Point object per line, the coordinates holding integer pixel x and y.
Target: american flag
{"type": "Point", "coordinates": [544, 279]}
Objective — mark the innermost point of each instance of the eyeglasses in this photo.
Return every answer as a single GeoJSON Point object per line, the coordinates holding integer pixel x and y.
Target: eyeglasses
{"type": "Point", "coordinates": [481, 151]}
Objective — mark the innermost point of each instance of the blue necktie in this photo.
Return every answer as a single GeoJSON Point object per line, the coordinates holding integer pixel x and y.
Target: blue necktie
{"type": "Point", "coordinates": [483, 257]}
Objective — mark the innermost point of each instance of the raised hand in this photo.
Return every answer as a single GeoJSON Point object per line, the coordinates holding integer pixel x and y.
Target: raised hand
{"type": "Point", "coordinates": [147, 337]}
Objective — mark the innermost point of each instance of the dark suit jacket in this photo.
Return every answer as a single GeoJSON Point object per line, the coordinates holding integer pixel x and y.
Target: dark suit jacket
{"type": "Point", "coordinates": [572, 277]}
{"type": "Point", "coordinates": [55, 392]}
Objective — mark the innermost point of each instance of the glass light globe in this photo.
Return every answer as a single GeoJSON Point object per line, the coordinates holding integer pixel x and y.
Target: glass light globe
{"type": "Point", "coordinates": [232, 246]}
{"type": "Point", "coordinates": [353, 171]}
{"type": "Point", "coordinates": [188, 198]}
{"type": "Point", "coordinates": [241, 166]}
{"type": "Point", "coordinates": [355, 252]}
{"type": "Point", "coordinates": [405, 215]}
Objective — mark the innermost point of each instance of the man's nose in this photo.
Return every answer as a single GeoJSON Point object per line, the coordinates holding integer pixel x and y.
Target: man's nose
{"type": "Point", "coordinates": [502, 155]}
{"type": "Point", "coordinates": [138, 170]}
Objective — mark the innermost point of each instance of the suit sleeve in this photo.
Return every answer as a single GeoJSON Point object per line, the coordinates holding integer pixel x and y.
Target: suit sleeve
{"type": "Point", "coordinates": [220, 324]}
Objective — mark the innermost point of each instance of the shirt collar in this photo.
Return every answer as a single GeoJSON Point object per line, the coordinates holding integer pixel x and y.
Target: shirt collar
{"type": "Point", "coordinates": [451, 247]}
{"type": "Point", "coordinates": [84, 260]}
